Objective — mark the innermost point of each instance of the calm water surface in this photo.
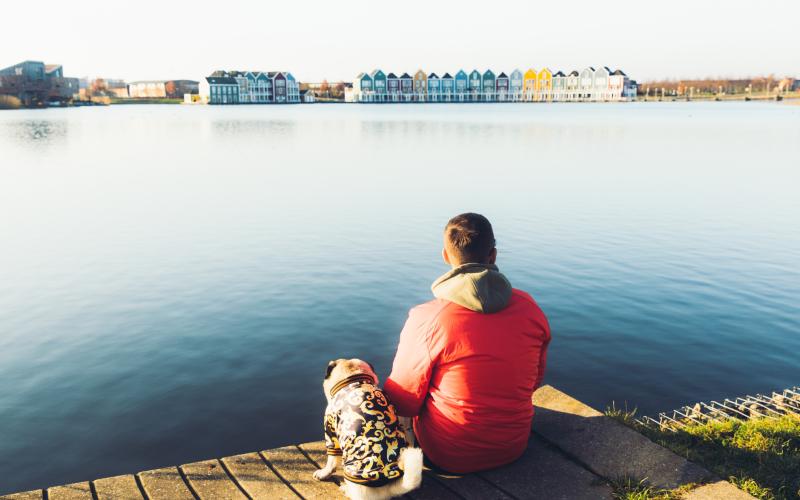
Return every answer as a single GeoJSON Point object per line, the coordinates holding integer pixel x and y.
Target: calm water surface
{"type": "Point", "coordinates": [173, 279]}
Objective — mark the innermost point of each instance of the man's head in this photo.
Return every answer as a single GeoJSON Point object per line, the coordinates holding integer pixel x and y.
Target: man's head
{"type": "Point", "coordinates": [468, 238]}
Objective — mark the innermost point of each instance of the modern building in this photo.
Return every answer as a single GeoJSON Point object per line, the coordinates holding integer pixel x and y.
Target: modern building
{"type": "Point", "coordinates": [250, 87]}
{"type": "Point", "coordinates": [159, 89]}
{"type": "Point", "coordinates": [35, 83]}
{"type": "Point", "coordinates": [531, 86]}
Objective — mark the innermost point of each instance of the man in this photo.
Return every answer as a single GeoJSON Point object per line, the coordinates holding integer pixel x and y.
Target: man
{"type": "Point", "coordinates": [469, 360]}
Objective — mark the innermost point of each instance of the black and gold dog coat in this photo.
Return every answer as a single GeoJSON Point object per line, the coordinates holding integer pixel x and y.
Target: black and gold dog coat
{"type": "Point", "coordinates": [361, 426]}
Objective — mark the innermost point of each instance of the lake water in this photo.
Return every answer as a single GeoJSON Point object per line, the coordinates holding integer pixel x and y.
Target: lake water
{"type": "Point", "coordinates": [174, 279]}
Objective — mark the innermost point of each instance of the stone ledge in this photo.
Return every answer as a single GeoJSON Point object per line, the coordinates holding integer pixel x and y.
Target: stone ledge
{"type": "Point", "coordinates": [607, 447]}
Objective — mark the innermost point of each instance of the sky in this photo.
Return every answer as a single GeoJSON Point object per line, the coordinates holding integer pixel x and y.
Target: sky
{"type": "Point", "coordinates": [331, 40]}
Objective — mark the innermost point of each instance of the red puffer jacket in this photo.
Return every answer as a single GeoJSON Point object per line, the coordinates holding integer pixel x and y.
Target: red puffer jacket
{"type": "Point", "coordinates": [466, 366]}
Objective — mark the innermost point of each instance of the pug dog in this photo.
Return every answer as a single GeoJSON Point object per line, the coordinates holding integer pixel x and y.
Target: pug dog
{"type": "Point", "coordinates": [363, 434]}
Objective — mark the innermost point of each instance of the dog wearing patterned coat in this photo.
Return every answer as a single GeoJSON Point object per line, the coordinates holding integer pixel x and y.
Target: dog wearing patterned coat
{"type": "Point", "coordinates": [364, 436]}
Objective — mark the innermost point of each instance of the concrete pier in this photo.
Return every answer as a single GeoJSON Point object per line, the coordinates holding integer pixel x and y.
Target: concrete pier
{"type": "Point", "coordinates": [573, 453]}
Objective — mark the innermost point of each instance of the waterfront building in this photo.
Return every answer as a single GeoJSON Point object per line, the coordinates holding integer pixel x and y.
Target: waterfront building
{"type": "Point", "coordinates": [600, 84]}
{"type": "Point", "coordinates": [220, 90]}
{"type": "Point", "coordinates": [544, 84]}
{"type": "Point", "coordinates": [586, 84]}
{"type": "Point", "coordinates": [475, 87]}
{"type": "Point", "coordinates": [281, 86]}
{"type": "Point", "coordinates": [159, 89]}
{"type": "Point", "coordinates": [447, 87]}
{"type": "Point", "coordinates": [307, 96]}
{"type": "Point", "coordinates": [559, 86]}
{"type": "Point", "coordinates": [263, 88]}
{"type": "Point", "coordinates": [251, 87]}
{"type": "Point", "coordinates": [620, 86]}
{"type": "Point", "coordinates": [462, 86]}
{"type": "Point", "coordinates": [529, 85]}
{"type": "Point", "coordinates": [488, 82]}
{"type": "Point", "coordinates": [379, 85]}
{"type": "Point", "coordinates": [392, 88]}
{"type": "Point", "coordinates": [362, 86]}
{"type": "Point", "coordinates": [501, 87]}
{"type": "Point", "coordinates": [631, 89]}
{"type": "Point", "coordinates": [515, 85]}
{"type": "Point", "coordinates": [420, 86]}
{"type": "Point", "coordinates": [433, 88]}
{"type": "Point", "coordinates": [406, 87]}
{"type": "Point", "coordinates": [572, 86]}
{"type": "Point", "coordinates": [35, 83]}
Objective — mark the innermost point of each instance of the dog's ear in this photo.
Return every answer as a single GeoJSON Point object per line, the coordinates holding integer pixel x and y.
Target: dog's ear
{"type": "Point", "coordinates": [331, 366]}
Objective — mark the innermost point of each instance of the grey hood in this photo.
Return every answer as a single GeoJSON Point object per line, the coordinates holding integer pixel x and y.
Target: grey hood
{"type": "Point", "coordinates": [478, 287]}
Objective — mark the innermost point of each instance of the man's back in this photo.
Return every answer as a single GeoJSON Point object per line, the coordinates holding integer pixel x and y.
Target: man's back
{"type": "Point", "coordinates": [468, 375]}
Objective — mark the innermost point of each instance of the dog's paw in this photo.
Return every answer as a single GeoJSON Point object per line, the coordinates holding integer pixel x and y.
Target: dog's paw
{"type": "Point", "coordinates": [322, 474]}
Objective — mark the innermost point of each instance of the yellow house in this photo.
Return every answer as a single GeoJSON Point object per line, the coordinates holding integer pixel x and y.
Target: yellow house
{"type": "Point", "coordinates": [544, 85]}
{"type": "Point", "coordinates": [529, 85]}
{"type": "Point", "coordinates": [420, 85]}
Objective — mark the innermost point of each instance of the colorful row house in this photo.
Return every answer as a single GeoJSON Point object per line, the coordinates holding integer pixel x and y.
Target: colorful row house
{"type": "Point", "coordinates": [543, 85]}
{"type": "Point", "coordinates": [250, 87]}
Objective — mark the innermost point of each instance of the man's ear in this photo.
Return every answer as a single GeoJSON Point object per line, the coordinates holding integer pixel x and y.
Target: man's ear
{"type": "Point", "coordinates": [445, 256]}
{"type": "Point", "coordinates": [493, 255]}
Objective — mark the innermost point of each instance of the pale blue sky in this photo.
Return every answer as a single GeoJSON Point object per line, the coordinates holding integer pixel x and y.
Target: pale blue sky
{"type": "Point", "coordinates": [150, 39]}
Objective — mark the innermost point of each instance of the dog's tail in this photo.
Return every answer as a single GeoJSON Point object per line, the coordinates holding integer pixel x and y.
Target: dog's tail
{"type": "Point", "coordinates": [411, 460]}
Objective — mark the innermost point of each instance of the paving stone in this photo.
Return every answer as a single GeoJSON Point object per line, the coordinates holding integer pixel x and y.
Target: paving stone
{"type": "Point", "coordinates": [257, 479]}
{"type": "Point", "coordinates": [470, 487]}
{"type": "Point", "coordinates": [24, 495]}
{"type": "Point", "coordinates": [165, 484]}
{"type": "Point", "coordinates": [297, 470]}
{"type": "Point", "coordinates": [209, 480]}
{"type": "Point", "coordinates": [720, 490]}
{"type": "Point", "coordinates": [74, 491]}
{"type": "Point", "coordinates": [117, 488]}
{"type": "Point", "coordinates": [544, 473]}
{"type": "Point", "coordinates": [431, 489]}
{"type": "Point", "coordinates": [317, 451]}
{"type": "Point", "coordinates": [607, 447]}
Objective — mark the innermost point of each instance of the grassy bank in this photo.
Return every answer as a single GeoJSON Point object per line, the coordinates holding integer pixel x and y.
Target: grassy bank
{"type": "Point", "coordinates": [760, 456]}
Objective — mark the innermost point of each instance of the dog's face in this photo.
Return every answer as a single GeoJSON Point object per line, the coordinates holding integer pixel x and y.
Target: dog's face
{"type": "Point", "coordinates": [340, 369]}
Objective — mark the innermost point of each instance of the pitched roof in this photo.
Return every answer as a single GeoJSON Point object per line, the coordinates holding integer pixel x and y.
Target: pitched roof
{"type": "Point", "coordinates": [405, 75]}
{"type": "Point", "coordinates": [447, 75]}
{"type": "Point", "coordinates": [391, 75]}
{"type": "Point", "coordinates": [619, 72]}
{"type": "Point", "coordinates": [559, 73]}
{"type": "Point", "coordinates": [433, 75]}
{"type": "Point", "coordinates": [221, 80]}
{"type": "Point", "coordinates": [574, 72]}
{"type": "Point", "coordinates": [502, 75]}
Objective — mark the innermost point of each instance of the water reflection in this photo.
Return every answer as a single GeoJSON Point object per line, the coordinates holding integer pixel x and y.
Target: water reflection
{"type": "Point", "coordinates": [37, 133]}
{"type": "Point", "coordinates": [239, 128]}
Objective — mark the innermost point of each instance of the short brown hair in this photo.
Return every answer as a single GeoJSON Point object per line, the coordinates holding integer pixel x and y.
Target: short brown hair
{"type": "Point", "coordinates": [469, 238]}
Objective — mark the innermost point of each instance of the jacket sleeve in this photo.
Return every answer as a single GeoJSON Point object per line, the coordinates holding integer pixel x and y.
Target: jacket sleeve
{"type": "Point", "coordinates": [407, 386]}
{"type": "Point", "coordinates": [331, 438]}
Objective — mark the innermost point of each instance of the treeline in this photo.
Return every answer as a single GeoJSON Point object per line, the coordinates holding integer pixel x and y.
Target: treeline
{"type": "Point", "coordinates": [760, 85]}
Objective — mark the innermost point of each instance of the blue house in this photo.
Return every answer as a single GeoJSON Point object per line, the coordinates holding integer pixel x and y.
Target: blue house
{"type": "Point", "coordinates": [462, 85]}
{"type": "Point", "coordinates": [475, 85]}
{"type": "Point", "coordinates": [488, 86]}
